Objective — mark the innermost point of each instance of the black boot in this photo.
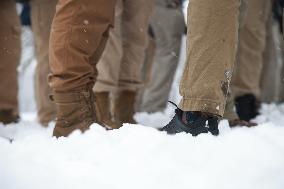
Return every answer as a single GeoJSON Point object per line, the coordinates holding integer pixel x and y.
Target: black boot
{"type": "Point", "coordinates": [192, 122]}
{"type": "Point", "coordinates": [247, 107]}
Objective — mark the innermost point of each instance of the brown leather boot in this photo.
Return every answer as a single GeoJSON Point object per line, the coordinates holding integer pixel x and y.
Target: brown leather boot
{"type": "Point", "coordinates": [7, 116]}
{"type": "Point", "coordinates": [241, 123]}
{"type": "Point", "coordinates": [103, 110]}
{"type": "Point", "coordinates": [75, 110]}
{"type": "Point", "coordinates": [124, 107]}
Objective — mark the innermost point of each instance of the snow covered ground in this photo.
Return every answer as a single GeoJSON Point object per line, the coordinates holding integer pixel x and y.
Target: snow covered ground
{"type": "Point", "coordinates": [138, 156]}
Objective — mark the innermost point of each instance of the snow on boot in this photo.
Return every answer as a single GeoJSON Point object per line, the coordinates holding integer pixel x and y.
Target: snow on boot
{"type": "Point", "coordinates": [247, 107]}
{"type": "Point", "coordinates": [103, 110]}
{"type": "Point", "coordinates": [74, 110]}
{"type": "Point", "coordinates": [124, 107]}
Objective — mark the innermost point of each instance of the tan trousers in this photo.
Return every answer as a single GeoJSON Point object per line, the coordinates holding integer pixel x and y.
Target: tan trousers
{"type": "Point", "coordinates": [168, 26]}
{"type": "Point", "coordinates": [271, 80]}
{"type": "Point", "coordinates": [211, 48]}
{"type": "Point", "coordinates": [78, 37]}
{"type": "Point", "coordinates": [121, 63]}
{"type": "Point", "coordinates": [249, 63]}
{"type": "Point", "coordinates": [10, 48]}
{"type": "Point", "coordinates": [42, 15]}
{"type": "Point", "coordinates": [252, 42]}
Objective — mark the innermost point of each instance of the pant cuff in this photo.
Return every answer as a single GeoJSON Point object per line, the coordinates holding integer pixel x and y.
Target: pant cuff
{"type": "Point", "coordinates": [193, 104]}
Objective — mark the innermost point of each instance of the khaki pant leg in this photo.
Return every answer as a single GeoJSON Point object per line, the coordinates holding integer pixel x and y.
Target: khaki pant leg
{"type": "Point", "coordinates": [120, 66]}
{"type": "Point", "coordinates": [168, 27]}
{"type": "Point", "coordinates": [109, 64]}
{"type": "Point", "coordinates": [78, 37]}
{"type": "Point", "coordinates": [135, 35]}
{"type": "Point", "coordinates": [211, 49]}
{"type": "Point", "coordinates": [42, 15]}
{"type": "Point", "coordinates": [146, 71]}
{"type": "Point", "coordinates": [271, 72]}
{"type": "Point", "coordinates": [10, 48]}
{"type": "Point", "coordinates": [252, 39]}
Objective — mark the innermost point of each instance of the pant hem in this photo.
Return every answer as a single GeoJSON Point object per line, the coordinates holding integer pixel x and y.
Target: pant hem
{"type": "Point", "coordinates": [193, 104]}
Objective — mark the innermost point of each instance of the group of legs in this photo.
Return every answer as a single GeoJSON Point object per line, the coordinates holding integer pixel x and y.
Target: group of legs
{"type": "Point", "coordinates": [212, 45]}
{"type": "Point", "coordinates": [119, 77]}
{"type": "Point", "coordinates": [41, 16]}
{"type": "Point", "coordinates": [80, 31]}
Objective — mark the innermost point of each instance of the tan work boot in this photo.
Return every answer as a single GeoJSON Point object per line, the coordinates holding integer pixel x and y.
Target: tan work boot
{"type": "Point", "coordinates": [75, 110]}
{"type": "Point", "coordinates": [7, 116]}
{"type": "Point", "coordinates": [124, 107]}
{"type": "Point", "coordinates": [103, 110]}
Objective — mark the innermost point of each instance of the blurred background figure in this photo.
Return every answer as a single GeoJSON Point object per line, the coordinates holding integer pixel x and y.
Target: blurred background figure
{"type": "Point", "coordinates": [38, 15]}
{"type": "Point", "coordinates": [119, 69]}
{"type": "Point", "coordinates": [167, 27]}
{"type": "Point", "coordinates": [10, 49]}
{"type": "Point", "coordinates": [249, 62]}
{"type": "Point", "coordinates": [42, 12]}
{"type": "Point", "coordinates": [257, 70]}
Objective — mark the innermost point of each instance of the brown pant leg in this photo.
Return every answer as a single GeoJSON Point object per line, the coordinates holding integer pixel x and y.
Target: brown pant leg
{"type": "Point", "coordinates": [252, 40]}
{"type": "Point", "coordinates": [9, 55]}
{"type": "Point", "coordinates": [211, 48]}
{"type": "Point", "coordinates": [42, 15]}
{"type": "Point", "coordinates": [78, 35]}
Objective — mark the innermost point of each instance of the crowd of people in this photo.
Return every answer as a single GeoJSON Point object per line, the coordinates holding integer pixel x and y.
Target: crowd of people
{"type": "Point", "coordinates": [103, 61]}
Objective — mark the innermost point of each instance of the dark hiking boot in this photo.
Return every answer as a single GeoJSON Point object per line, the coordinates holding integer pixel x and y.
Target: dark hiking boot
{"type": "Point", "coordinates": [103, 110]}
{"type": "Point", "coordinates": [241, 123]}
{"type": "Point", "coordinates": [247, 107]}
{"type": "Point", "coordinates": [7, 116]}
{"type": "Point", "coordinates": [75, 110]}
{"type": "Point", "coordinates": [194, 123]}
{"type": "Point", "coordinates": [124, 107]}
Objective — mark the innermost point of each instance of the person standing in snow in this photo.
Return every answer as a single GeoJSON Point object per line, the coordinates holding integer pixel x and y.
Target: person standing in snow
{"type": "Point", "coordinates": [79, 34]}
{"type": "Point", "coordinates": [42, 12]}
{"type": "Point", "coordinates": [256, 76]}
{"type": "Point", "coordinates": [38, 14]}
{"type": "Point", "coordinates": [212, 44]}
{"type": "Point", "coordinates": [250, 58]}
{"type": "Point", "coordinates": [211, 50]}
{"type": "Point", "coordinates": [119, 69]}
{"type": "Point", "coordinates": [10, 49]}
{"type": "Point", "coordinates": [78, 37]}
{"type": "Point", "coordinates": [167, 26]}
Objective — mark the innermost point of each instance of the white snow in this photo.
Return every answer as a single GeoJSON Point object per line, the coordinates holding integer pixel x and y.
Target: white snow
{"type": "Point", "coordinates": [137, 157]}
